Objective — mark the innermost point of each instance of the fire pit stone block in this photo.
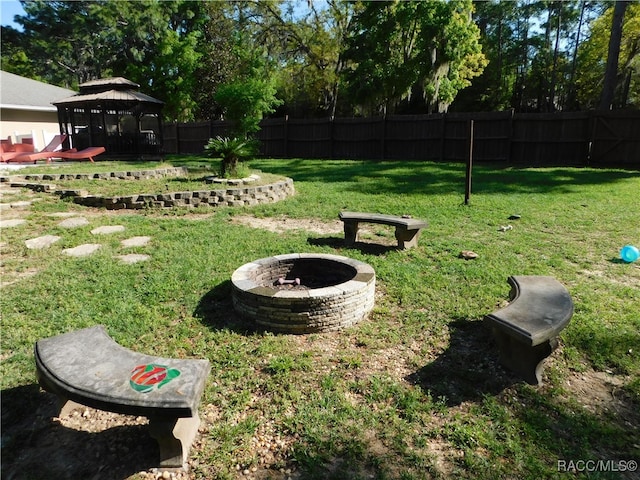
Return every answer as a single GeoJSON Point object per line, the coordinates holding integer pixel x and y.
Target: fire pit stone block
{"type": "Point", "coordinates": [335, 292]}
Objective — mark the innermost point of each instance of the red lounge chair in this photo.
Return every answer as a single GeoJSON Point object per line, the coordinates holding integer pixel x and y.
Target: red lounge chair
{"type": "Point", "coordinates": [9, 150]}
{"type": "Point", "coordinates": [73, 154]}
{"type": "Point", "coordinates": [45, 154]}
{"type": "Point", "coordinates": [87, 153]}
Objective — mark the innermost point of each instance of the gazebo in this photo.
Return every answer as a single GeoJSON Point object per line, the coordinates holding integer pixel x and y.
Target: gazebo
{"type": "Point", "coordinates": [112, 113]}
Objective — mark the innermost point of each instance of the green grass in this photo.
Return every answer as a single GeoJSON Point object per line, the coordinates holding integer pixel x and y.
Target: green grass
{"type": "Point", "coordinates": [413, 392]}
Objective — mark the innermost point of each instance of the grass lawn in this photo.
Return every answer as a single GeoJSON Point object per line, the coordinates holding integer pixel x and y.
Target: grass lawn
{"type": "Point", "coordinates": [413, 392]}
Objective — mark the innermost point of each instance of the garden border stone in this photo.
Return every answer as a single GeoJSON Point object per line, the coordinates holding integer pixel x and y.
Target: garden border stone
{"type": "Point", "coordinates": [237, 196]}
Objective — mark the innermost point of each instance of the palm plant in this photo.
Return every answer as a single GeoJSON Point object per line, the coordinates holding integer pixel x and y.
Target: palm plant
{"type": "Point", "coordinates": [232, 151]}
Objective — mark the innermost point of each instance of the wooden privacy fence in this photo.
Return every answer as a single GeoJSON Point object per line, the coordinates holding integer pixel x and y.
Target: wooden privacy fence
{"type": "Point", "coordinates": [582, 138]}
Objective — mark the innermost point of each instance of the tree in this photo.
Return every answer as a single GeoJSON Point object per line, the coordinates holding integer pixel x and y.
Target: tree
{"type": "Point", "coordinates": [592, 55]}
{"type": "Point", "coordinates": [151, 42]}
{"type": "Point", "coordinates": [218, 62]}
{"type": "Point", "coordinates": [494, 88]}
{"type": "Point", "coordinates": [611, 71]}
{"type": "Point", "coordinates": [245, 102]}
{"type": "Point", "coordinates": [400, 49]}
{"type": "Point", "coordinates": [307, 45]}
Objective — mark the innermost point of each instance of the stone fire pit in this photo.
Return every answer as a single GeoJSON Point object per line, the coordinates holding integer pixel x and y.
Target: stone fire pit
{"type": "Point", "coordinates": [304, 292]}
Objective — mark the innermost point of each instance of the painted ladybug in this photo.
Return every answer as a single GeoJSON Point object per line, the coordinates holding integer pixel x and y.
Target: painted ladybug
{"type": "Point", "coordinates": [149, 377]}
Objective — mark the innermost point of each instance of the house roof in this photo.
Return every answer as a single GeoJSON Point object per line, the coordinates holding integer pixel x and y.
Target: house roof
{"type": "Point", "coordinates": [21, 93]}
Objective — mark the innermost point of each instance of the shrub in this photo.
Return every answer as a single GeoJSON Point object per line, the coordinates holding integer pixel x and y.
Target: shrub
{"type": "Point", "coordinates": [232, 151]}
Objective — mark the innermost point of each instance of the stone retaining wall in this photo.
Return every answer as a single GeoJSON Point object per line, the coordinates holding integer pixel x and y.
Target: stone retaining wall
{"type": "Point", "coordinates": [229, 196]}
{"type": "Point", "coordinates": [125, 175]}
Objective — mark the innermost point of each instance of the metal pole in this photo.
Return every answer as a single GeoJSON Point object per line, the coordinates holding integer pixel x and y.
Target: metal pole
{"type": "Point", "coordinates": [467, 192]}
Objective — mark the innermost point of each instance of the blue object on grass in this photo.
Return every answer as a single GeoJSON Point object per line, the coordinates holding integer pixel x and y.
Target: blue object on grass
{"type": "Point", "coordinates": [629, 253]}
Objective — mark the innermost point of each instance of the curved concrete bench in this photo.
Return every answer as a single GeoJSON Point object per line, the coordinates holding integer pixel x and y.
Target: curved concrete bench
{"type": "Point", "coordinates": [407, 229]}
{"type": "Point", "coordinates": [527, 330]}
{"type": "Point", "coordinates": [87, 367]}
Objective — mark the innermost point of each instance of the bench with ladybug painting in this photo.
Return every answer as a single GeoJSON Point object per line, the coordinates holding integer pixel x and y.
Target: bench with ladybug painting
{"type": "Point", "coordinates": [88, 367]}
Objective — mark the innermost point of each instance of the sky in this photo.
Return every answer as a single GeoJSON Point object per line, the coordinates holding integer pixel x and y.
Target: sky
{"type": "Point", "coordinates": [8, 9]}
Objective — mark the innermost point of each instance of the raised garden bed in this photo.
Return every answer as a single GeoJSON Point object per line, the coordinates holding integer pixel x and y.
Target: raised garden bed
{"type": "Point", "coordinates": [163, 187]}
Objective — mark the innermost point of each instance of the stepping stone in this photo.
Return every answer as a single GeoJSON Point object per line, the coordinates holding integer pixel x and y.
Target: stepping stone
{"type": "Point", "coordinates": [22, 204]}
{"type": "Point", "coordinates": [62, 214]}
{"type": "Point", "coordinates": [135, 241]}
{"type": "Point", "coordinates": [74, 222]}
{"type": "Point", "coordinates": [106, 229]}
{"type": "Point", "coordinates": [82, 250]}
{"type": "Point", "coordinates": [41, 242]}
{"type": "Point", "coordinates": [13, 222]}
{"type": "Point", "coordinates": [133, 258]}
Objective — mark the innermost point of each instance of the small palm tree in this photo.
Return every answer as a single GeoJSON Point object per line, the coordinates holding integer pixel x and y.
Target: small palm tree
{"type": "Point", "coordinates": [232, 150]}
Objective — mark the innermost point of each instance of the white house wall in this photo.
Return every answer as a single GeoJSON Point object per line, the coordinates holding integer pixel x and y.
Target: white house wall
{"type": "Point", "coordinates": [39, 125]}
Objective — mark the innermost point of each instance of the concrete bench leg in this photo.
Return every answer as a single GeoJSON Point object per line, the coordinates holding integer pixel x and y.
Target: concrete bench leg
{"type": "Point", "coordinates": [524, 360]}
{"type": "Point", "coordinates": [174, 437]}
{"type": "Point", "coordinates": [350, 232]}
{"type": "Point", "coordinates": [407, 238]}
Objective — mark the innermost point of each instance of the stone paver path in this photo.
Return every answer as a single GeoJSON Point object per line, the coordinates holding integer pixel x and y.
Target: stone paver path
{"type": "Point", "coordinates": [12, 222]}
{"type": "Point", "coordinates": [41, 242]}
{"type": "Point", "coordinates": [135, 242]}
{"type": "Point", "coordinates": [63, 214]}
{"type": "Point", "coordinates": [74, 222]}
{"type": "Point", "coordinates": [19, 204]}
{"type": "Point", "coordinates": [106, 229]}
{"type": "Point", "coordinates": [82, 250]}
{"type": "Point", "coordinates": [133, 258]}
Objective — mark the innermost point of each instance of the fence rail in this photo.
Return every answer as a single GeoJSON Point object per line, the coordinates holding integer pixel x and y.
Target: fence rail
{"type": "Point", "coordinates": [607, 139]}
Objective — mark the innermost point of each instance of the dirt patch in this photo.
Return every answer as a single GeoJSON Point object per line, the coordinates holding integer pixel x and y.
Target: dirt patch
{"type": "Point", "coordinates": [602, 393]}
{"type": "Point", "coordinates": [376, 234]}
{"type": "Point", "coordinates": [283, 224]}
{"type": "Point", "coordinates": [9, 278]}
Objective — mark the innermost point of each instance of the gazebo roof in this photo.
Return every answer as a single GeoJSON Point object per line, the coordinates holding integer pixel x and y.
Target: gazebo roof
{"type": "Point", "coordinates": [110, 95]}
{"type": "Point", "coordinates": [109, 83]}
{"type": "Point", "coordinates": [116, 89]}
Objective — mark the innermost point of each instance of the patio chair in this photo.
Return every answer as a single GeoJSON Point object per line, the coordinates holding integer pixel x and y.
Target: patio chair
{"type": "Point", "coordinates": [10, 150]}
{"type": "Point", "coordinates": [47, 153]}
{"type": "Point", "coordinates": [84, 154]}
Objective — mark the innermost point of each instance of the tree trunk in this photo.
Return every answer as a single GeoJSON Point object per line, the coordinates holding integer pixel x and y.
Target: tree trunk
{"type": "Point", "coordinates": [571, 102]}
{"type": "Point", "coordinates": [554, 71]}
{"type": "Point", "coordinates": [615, 39]}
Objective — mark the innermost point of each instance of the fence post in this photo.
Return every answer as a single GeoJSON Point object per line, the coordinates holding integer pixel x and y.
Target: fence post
{"type": "Point", "coordinates": [383, 137]}
{"type": "Point", "coordinates": [510, 140]}
{"type": "Point", "coordinates": [467, 193]}
{"type": "Point", "coordinates": [178, 150]}
{"type": "Point", "coordinates": [443, 133]}
{"type": "Point", "coordinates": [331, 136]}
{"type": "Point", "coordinates": [285, 147]}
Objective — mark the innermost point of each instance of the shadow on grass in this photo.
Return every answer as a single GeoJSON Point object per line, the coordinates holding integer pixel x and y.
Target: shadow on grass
{"type": "Point", "coordinates": [34, 445]}
{"type": "Point", "coordinates": [338, 244]}
{"type": "Point", "coordinates": [468, 370]}
{"type": "Point", "coordinates": [388, 177]}
{"type": "Point", "coordinates": [215, 309]}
